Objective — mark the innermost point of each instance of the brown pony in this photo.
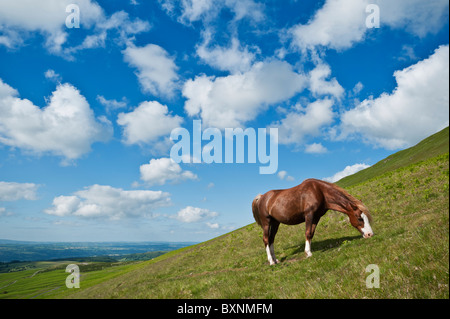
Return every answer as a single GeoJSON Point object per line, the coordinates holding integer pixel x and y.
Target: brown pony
{"type": "Point", "coordinates": [306, 202]}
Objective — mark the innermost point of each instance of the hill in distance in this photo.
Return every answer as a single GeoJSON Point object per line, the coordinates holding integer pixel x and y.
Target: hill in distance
{"type": "Point", "coordinates": [11, 250]}
{"type": "Point", "coordinates": [409, 202]}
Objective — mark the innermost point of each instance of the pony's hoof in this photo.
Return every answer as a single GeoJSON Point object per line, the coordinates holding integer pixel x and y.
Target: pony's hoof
{"type": "Point", "coordinates": [308, 254]}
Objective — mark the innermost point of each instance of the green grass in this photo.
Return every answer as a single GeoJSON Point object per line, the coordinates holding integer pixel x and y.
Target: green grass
{"type": "Point", "coordinates": [48, 278]}
{"type": "Point", "coordinates": [410, 207]}
{"type": "Point", "coordinates": [410, 247]}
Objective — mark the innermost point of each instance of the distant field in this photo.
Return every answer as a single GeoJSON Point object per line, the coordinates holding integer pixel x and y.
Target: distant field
{"type": "Point", "coordinates": [40, 279]}
{"type": "Point", "coordinates": [50, 277]}
{"type": "Point", "coordinates": [11, 250]}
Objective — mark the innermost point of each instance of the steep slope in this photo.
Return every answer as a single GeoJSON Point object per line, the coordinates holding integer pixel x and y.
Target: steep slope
{"type": "Point", "coordinates": [432, 146]}
{"type": "Point", "coordinates": [410, 206]}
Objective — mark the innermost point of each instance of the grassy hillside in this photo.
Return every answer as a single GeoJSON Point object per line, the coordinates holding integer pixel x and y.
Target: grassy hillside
{"type": "Point", "coordinates": [47, 278]}
{"type": "Point", "coordinates": [411, 248]}
{"type": "Point", "coordinates": [430, 147]}
{"type": "Point", "coordinates": [410, 207]}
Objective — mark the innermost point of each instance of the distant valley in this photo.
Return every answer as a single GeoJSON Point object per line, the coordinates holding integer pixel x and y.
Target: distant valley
{"type": "Point", "coordinates": [11, 250]}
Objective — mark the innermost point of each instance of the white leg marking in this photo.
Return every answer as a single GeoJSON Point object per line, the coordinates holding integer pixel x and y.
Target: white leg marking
{"type": "Point", "coordinates": [269, 256]}
{"type": "Point", "coordinates": [308, 248]}
{"type": "Point", "coordinates": [272, 252]}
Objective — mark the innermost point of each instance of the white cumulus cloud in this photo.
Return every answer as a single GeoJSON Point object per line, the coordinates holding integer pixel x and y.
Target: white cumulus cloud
{"type": "Point", "coordinates": [417, 108]}
{"type": "Point", "coordinates": [11, 191]}
{"type": "Point", "coordinates": [302, 122]}
{"type": "Point", "coordinates": [348, 170]}
{"type": "Point", "coordinates": [22, 19]}
{"type": "Point", "coordinates": [212, 225]}
{"type": "Point", "coordinates": [46, 17]}
{"type": "Point", "coordinates": [315, 148]}
{"type": "Point", "coordinates": [52, 76]}
{"type": "Point", "coordinates": [111, 105]}
{"type": "Point", "coordinates": [283, 175]}
{"type": "Point", "coordinates": [102, 201]}
{"type": "Point", "coordinates": [416, 16]}
{"type": "Point", "coordinates": [339, 24]}
{"type": "Point", "coordinates": [191, 214]}
{"type": "Point", "coordinates": [188, 11]}
{"type": "Point", "coordinates": [161, 170]}
{"type": "Point", "coordinates": [234, 58]}
{"type": "Point", "coordinates": [66, 126]}
{"type": "Point", "coordinates": [232, 100]}
{"type": "Point", "coordinates": [318, 84]}
{"type": "Point", "coordinates": [156, 70]}
{"type": "Point", "coordinates": [148, 122]}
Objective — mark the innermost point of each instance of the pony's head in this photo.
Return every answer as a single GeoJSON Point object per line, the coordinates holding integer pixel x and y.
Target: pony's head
{"type": "Point", "coordinates": [361, 219]}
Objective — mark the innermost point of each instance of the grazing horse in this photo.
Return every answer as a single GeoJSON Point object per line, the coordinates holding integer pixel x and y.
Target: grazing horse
{"type": "Point", "coordinates": [306, 202]}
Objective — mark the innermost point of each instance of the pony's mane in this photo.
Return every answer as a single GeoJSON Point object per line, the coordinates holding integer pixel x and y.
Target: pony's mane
{"type": "Point", "coordinates": [352, 199]}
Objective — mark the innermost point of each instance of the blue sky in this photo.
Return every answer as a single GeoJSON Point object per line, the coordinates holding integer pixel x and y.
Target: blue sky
{"type": "Point", "coordinates": [86, 113]}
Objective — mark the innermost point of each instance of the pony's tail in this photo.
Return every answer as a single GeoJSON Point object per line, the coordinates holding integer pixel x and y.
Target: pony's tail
{"type": "Point", "coordinates": [256, 210]}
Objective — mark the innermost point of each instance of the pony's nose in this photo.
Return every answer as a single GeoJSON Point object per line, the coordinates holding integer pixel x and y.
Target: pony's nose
{"type": "Point", "coordinates": [368, 235]}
